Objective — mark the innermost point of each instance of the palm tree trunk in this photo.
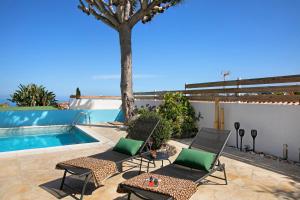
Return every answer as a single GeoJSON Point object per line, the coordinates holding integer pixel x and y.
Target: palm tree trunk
{"type": "Point", "coordinates": [126, 71]}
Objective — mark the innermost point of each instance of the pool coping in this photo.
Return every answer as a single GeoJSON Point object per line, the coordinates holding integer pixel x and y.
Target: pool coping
{"type": "Point", "coordinates": [101, 140]}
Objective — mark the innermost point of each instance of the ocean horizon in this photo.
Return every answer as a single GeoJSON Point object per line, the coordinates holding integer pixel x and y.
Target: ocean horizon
{"type": "Point", "coordinates": [5, 100]}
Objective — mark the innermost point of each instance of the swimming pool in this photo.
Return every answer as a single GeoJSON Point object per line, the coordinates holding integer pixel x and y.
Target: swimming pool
{"type": "Point", "coordinates": [21, 138]}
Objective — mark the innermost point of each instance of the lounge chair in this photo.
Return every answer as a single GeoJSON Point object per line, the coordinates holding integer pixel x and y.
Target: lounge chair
{"type": "Point", "coordinates": [108, 159]}
{"type": "Point", "coordinates": [208, 140]}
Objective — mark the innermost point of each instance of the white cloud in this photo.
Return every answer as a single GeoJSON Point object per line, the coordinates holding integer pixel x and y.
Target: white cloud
{"type": "Point", "coordinates": [118, 76]}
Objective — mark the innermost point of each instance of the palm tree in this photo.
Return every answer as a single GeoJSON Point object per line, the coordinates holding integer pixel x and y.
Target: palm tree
{"type": "Point", "coordinates": [33, 95]}
{"type": "Point", "coordinates": [122, 16]}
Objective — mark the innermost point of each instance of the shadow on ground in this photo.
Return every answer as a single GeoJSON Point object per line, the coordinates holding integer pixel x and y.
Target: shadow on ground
{"type": "Point", "coordinates": [283, 192]}
{"type": "Point", "coordinates": [72, 187]}
{"type": "Point", "coordinates": [130, 174]}
{"type": "Point", "coordinates": [125, 197]}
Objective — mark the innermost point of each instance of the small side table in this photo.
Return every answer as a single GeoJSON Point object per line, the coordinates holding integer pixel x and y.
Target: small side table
{"type": "Point", "coordinates": [160, 156]}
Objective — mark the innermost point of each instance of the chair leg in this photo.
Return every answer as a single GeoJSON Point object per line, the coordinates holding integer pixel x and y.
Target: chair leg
{"type": "Point", "coordinates": [225, 176]}
{"type": "Point", "coordinates": [129, 195]}
{"type": "Point", "coordinates": [141, 165]}
{"type": "Point", "coordinates": [154, 163]}
{"type": "Point", "coordinates": [218, 163]}
{"type": "Point", "coordinates": [63, 180]}
{"type": "Point", "coordinates": [121, 167]}
{"type": "Point", "coordinates": [87, 177]}
{"type": "Point", "coordinates": [148, 166]}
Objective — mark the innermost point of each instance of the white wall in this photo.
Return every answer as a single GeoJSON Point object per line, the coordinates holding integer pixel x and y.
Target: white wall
{"type": "Point", "coordinates": [276, 124]}
{"type": "Point", "coordinates": [93, 104]}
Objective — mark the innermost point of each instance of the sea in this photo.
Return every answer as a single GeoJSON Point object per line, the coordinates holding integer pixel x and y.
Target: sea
{"type": "Point", "coordinates": [5, 100]}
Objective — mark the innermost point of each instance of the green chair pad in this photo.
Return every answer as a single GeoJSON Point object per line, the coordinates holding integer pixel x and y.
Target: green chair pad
{"type": "Point", "coordinates": [128, 146]}
{"type": "Point", "coordinates": [196, 159]}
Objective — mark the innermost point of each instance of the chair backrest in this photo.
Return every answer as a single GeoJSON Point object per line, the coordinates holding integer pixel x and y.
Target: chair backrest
{"type": "Point", "coordinates": [143, 130]}
{"type": "Point", "coordinates": [210, 140]}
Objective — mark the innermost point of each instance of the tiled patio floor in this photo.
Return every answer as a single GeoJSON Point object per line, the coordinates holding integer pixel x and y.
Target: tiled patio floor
{"type": "Point", "coordinates": [32, 176]}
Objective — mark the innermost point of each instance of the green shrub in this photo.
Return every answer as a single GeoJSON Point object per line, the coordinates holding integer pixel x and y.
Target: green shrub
{"type": "Point", "coordinates": [144, 109]}
{"type": "Point", "coordinates": [33, 95]}
{"type": "Point", "coordinates": [177, 109]}
{"type": "Point", "coordinates": [162, 132]}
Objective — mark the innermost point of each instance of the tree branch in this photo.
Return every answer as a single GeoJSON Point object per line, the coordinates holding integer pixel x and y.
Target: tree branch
{"type": "Point", "coordinates": [120, 13]}
{"type": "Point", "coordinates": [142, 12]}
{"type": "Point", "coordinates": [109, 5]}
{"type": "Point", "coordinates": [83, 7]}
{"type": "Point", "coordinates": [104, 19]}
{"type": "Point", "coordinates": [144, 4]}
{"type": "Point", "coordinates": [127, 10]}
{"type": "Point", "coordinates": [108, 9]}
{"type": "Point", "coordinates": [89, 10]}
{"type": "Point", "coordinates": [99, 4]}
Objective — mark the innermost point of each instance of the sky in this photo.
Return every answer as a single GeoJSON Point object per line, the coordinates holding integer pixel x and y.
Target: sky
{"type": "Point", "coordinates": [51, 42]}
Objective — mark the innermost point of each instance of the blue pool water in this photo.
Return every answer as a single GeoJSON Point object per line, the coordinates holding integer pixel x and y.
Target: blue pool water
{"type": "Point", "coordinates": [12, 139]}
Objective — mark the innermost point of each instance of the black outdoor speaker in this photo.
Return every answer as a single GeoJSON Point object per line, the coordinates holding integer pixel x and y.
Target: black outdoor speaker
{"type": "Point", "coordinates": [237, 126]}
{"type": "Point", "coordinates": [241, 133]}
{"type": "Point", "coordinates": [253, 134]}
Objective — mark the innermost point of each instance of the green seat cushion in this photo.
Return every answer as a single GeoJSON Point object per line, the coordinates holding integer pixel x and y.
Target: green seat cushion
{"type": "Point", "coordinates": [196, 159]}
{"type": "Point", "coordinates": [128, 146]}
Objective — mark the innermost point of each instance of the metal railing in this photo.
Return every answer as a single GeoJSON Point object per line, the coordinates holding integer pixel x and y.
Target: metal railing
{"type": "Point", "coordinates": [79, 115]}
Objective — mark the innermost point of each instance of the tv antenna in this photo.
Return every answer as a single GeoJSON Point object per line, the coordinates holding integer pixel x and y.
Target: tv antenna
{"type": "Point", "coordinates": [225, 74]}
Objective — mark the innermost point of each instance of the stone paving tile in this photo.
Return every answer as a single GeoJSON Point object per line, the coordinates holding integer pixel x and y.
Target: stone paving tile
{"type": "Point", "coordinates": [9, 167]}
{"type": "Point", "coordinates": [23, 176]}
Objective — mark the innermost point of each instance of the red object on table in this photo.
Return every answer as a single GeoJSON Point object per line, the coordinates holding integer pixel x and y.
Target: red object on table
{"type": "Point", "coordinates": [151, 183]}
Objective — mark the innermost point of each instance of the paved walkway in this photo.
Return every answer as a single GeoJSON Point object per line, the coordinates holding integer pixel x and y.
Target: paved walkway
{"type": "Point", "coordinates": [32, 175]}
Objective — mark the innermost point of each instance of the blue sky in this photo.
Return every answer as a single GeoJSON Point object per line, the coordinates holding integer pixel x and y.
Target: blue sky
{"type": "Point", "coordinates": [51, 42]}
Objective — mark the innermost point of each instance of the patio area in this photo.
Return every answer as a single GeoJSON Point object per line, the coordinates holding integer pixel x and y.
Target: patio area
{"type": "Point", "coordinates": [33, 175]}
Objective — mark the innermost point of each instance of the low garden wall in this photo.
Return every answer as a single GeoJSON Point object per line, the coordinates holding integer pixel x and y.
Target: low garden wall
{"type": "Point", "coordinates": [102, 104]}
{"type": "Point", "coordinates": [277, 124]}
